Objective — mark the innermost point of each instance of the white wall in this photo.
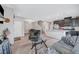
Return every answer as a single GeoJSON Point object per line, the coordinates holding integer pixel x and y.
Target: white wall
{"type": "Point", "coordinates": [18, 29]}
{"type": "Point", "coordinates": [8, 13]}
{"type": "Point", "coordinates": [2, 27]}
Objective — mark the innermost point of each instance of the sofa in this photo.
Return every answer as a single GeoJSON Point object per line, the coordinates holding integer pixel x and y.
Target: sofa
{"type": "Point", "coordinates": [67, 45]}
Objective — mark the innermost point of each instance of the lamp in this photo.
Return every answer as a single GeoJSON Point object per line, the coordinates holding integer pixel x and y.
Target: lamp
{"type": "Point", "coordinates": [7, 20]}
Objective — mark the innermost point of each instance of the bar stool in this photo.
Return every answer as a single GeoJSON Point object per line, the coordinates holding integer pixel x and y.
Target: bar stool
{"type": "Point", "coordinates": [35, 38]}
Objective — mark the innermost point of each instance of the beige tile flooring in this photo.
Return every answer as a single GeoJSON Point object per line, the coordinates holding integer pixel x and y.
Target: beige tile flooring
{"type": "Point", "coordinates": [24, 45]}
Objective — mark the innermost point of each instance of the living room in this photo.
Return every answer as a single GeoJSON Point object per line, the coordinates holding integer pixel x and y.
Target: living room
{"type": "Point", "coordinates": [57, 24]}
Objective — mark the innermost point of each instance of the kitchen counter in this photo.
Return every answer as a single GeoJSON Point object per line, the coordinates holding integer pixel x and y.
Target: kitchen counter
{"type": "Point", "coordinates": [57, 34]}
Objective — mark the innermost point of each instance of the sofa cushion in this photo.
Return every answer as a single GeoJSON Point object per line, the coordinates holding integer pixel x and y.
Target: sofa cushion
{"type": "Point", "coordinates": [70, 40]}
{"type": "Point", "coordinates": [76, 48]}
{"type": "Point", "coordinates": [63, 48]}
{"type": "Point", "coordinates": [52, 51]}
{"type": "Point", "coordinates": [71, 37]}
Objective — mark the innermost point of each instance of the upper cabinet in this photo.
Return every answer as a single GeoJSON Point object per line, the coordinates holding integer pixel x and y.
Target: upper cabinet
{"type": "Point", "coordinates": [68, 22]}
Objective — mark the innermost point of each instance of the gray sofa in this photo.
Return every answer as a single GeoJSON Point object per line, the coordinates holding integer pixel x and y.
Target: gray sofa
{"type": "Point", "coordinates": [67, 45]}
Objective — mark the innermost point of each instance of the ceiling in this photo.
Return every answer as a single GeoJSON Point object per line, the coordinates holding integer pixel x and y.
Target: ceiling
{"type": "Point", "coordinates": [45, 11]}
